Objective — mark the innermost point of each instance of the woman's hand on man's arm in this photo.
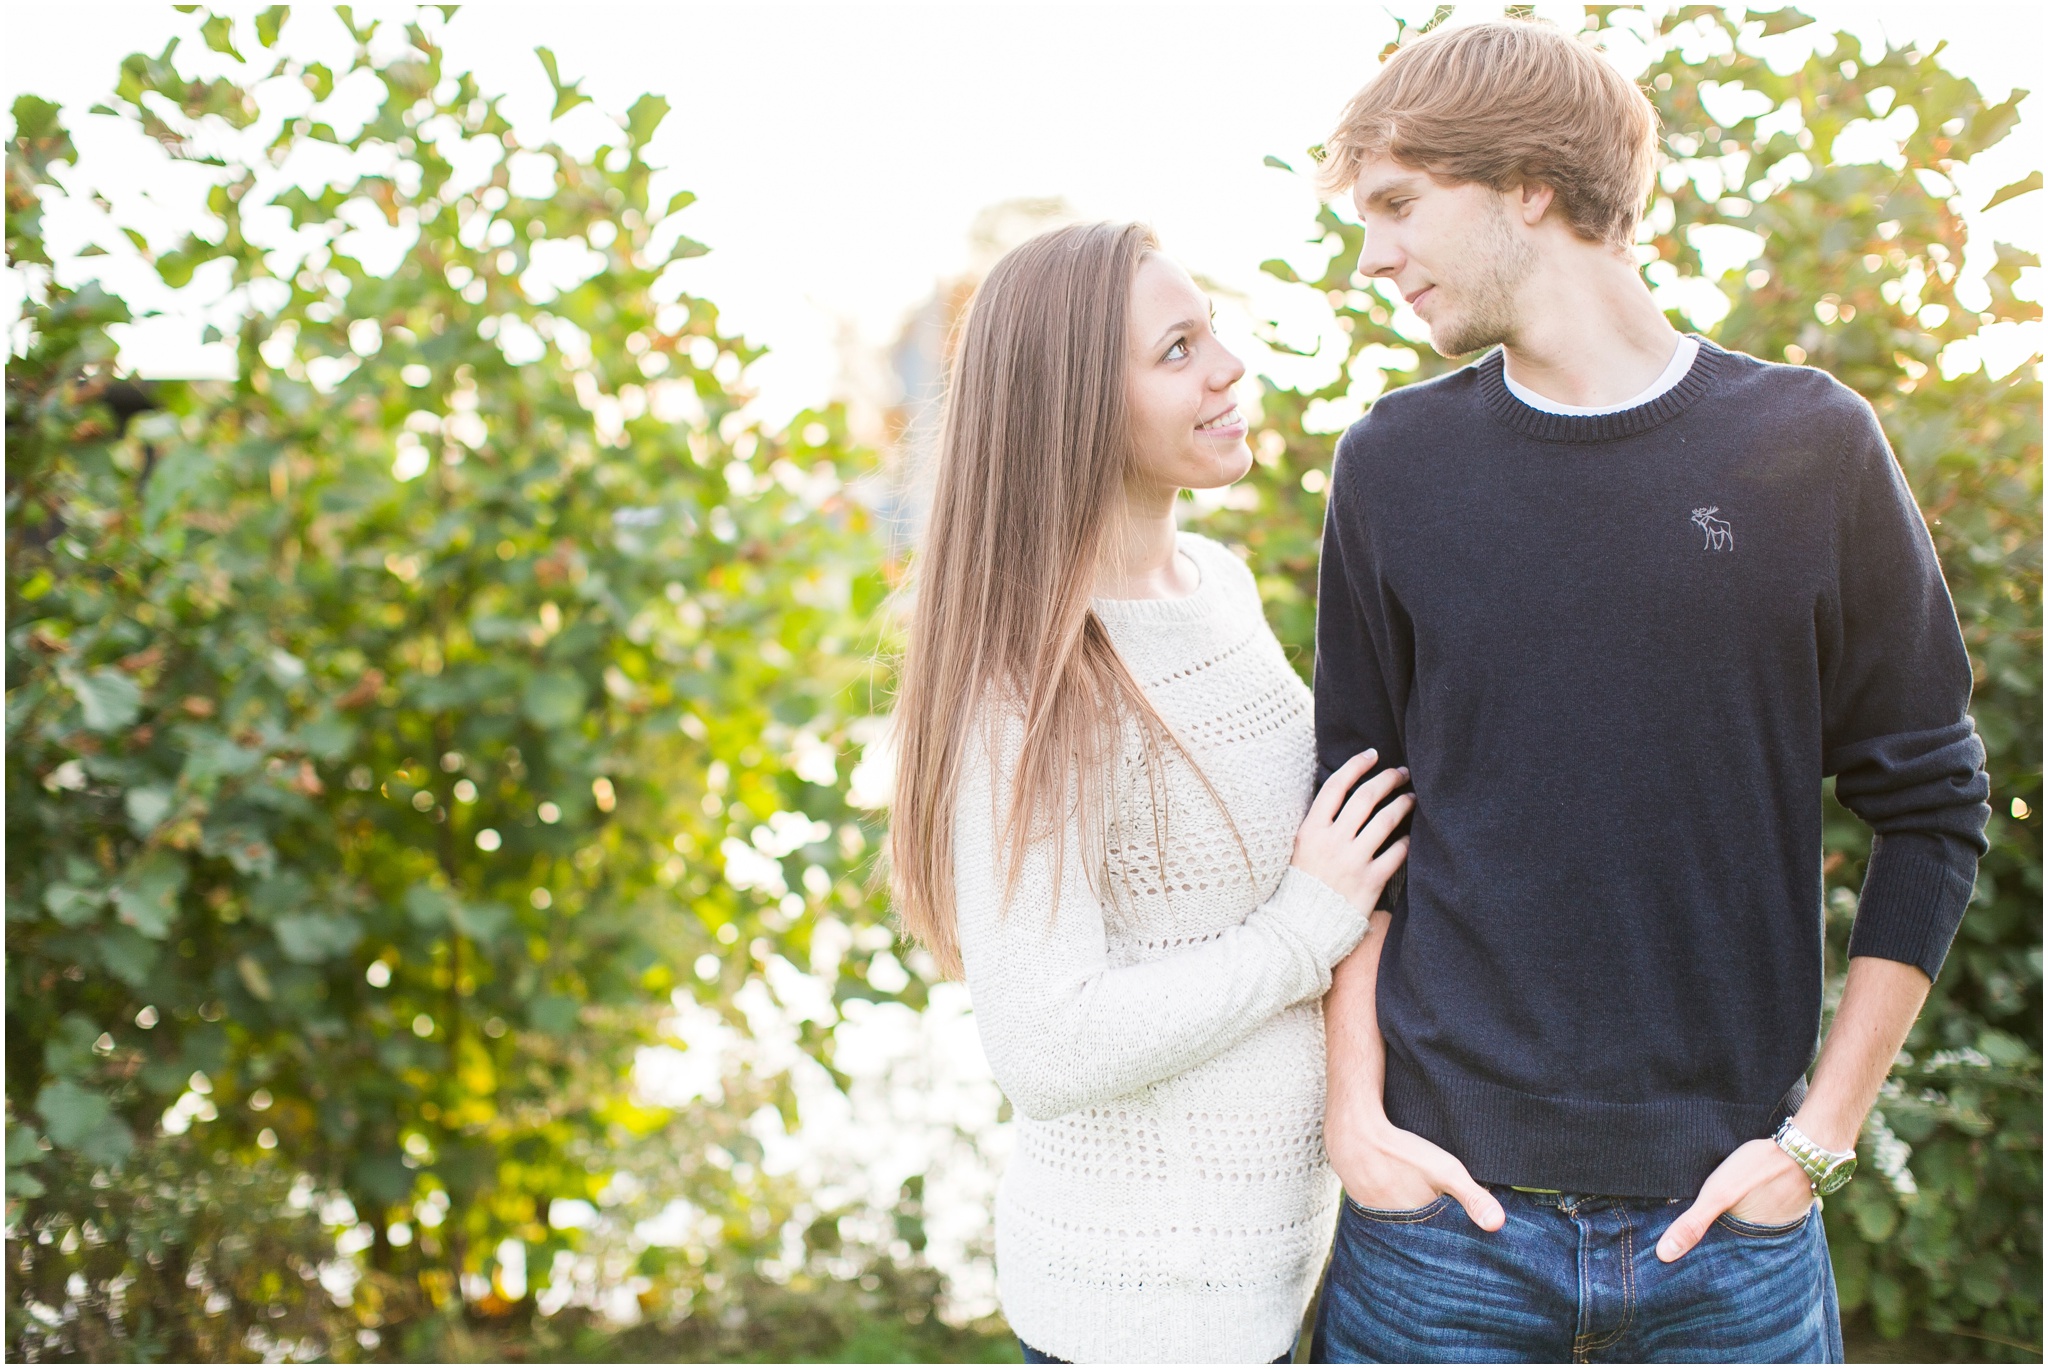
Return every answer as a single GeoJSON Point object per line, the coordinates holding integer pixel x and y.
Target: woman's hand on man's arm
{"type": "Point", "coordinates": [1339, 840]}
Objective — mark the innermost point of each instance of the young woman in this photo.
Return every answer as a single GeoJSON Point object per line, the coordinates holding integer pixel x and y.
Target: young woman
{"type": "Point", "coordinates": [1102, 813]}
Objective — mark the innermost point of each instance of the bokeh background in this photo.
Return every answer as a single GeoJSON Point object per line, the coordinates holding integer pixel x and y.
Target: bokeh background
{"type": "Point", "coordinates": [446, 653]}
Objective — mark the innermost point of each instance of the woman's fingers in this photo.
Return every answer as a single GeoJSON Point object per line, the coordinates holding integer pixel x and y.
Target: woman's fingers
{"type": "Point", "coordinates": [1386, 862]}
{"type": "Point", "coordinates": [1331, 795]}
{"type": "Point", "coordinates": [1389, 815]}
{"type": "Point", "coordinates": [1366, 798]}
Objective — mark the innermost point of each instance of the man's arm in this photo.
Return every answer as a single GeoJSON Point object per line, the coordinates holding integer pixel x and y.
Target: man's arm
{"type": "Point", "coordinates": [1381, 1165]}
{"type": "Point", "coordinates": [1362, 647]}
{"type": "Point", "coordinates": [1759, 1182]}
{"type": "Point", "coordinates": [1895, 686]}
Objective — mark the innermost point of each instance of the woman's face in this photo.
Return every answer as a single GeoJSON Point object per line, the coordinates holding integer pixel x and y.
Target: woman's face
{"type": "Point", "coordinates": [1185, 427]}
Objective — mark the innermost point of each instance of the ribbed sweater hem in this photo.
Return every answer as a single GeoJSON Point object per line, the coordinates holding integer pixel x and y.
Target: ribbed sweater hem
{"type": "Point", "coordinates": [1158, 1326]}
{"type": "Point", "coordinates": [1660, 1149]}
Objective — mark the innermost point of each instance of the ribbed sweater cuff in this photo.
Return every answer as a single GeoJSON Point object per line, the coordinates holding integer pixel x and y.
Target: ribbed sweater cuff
{"type": "Point", "coordinates": [1913, 901]}
{"type": "Point", "coordinates": [1323, 917]}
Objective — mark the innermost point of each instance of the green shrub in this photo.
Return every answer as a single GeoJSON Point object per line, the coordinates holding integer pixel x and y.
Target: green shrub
{"type": "Point", "coordinates": [394, 729]}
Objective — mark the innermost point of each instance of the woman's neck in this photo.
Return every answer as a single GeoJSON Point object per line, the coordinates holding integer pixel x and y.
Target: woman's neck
{"type": "Point", "coordinates": [1144, 560]}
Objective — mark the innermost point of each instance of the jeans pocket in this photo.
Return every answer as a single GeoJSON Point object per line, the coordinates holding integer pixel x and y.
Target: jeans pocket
{"type": "Point", "coordinates": [1756, 1231]}
{"type": "Point", "coordinates": [1401, 1215]}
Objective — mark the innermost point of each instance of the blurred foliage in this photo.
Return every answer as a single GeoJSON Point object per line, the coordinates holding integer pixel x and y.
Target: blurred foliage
{"type": "Point", "coordinates": [1857, 273]}
{"type": "Point", "coordinates": [395, 730]}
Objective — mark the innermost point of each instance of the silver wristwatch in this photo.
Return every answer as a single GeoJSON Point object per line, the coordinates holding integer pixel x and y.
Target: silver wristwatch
{"type": "Point", "coordinates": [1826, 1170]}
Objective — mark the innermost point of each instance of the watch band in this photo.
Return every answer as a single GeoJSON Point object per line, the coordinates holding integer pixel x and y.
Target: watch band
{"type": "Point", "coordinates": [1824, 1168]}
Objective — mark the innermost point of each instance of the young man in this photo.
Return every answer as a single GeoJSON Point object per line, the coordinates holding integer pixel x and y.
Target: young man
{"type": "Point", "coordinates": [1619, 600]}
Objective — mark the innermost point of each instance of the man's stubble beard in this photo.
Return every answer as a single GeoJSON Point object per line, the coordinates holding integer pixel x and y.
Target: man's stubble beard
{"type": "Point", "coordinates": [1497, 263]}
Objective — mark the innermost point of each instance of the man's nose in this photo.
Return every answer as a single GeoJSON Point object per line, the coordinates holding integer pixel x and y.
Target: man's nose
{"type": "Point", "coordinates": [1377, 255]}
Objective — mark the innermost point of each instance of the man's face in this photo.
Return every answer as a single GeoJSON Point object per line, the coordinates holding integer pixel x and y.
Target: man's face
{"type": "Point", "coordinates": [1448, 247]}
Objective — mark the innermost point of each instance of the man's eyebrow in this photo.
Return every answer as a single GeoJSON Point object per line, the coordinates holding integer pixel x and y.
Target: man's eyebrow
{"type": "Point", "coordinates": [1388, 190]}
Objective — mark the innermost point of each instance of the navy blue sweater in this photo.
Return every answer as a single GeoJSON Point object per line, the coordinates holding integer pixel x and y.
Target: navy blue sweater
{"type": "Point", "coordinates": [1619, 654]}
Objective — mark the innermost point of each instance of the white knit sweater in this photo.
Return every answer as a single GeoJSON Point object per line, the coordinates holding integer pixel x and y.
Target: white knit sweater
{"type": "Point", "coordinates": [1168, 1197]}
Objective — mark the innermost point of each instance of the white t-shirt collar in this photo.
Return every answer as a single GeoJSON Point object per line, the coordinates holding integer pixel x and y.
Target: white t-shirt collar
{"type": "Point", "coordinates": [1675, 371]}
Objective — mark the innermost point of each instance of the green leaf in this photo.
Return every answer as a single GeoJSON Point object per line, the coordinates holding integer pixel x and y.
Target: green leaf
{"type": "Point", "coordinates": [109, 698]}
{"type": "Point", "coordinates": [1273, 161]}
{"type": "Point", "coordinates": [554, 1014]}
{"type": "Point", "coordinates": [327, 737]}
{"type": "Point", "coordinates": [380, 1176]}
{"type": "Point", "coordinates": [2031, 181]}
{"type": "Point", "coordinates": [166, 1076]}
{"type": "Point", "coordinates": [643, 118]}
{"type": "Point", "coordinates": [147, 805]}
{"type": "Point", "coordinates": [176, 267]}
{"type": "Point", "coordinates": [21, 1145]}
{"type": "Point", "coordinates": [216, 32]}
{"type": "Point", "coordinates": [1875, 1218]}
{"type": "Point", "coordinates": [254, 978]}
{"type": "Point", "coordinates": [182, 471]}
{"type": "Point", "coordinates": [2003, 1047]}
{"type": "Point", "coordinates": [68, 1052]}
{"type": "Point", "coordinates": [484, 922]}
{"type": "Point", "coordinates": [268, 22]}
{"type": "Point", "coordinates": [314, 938]}
{"type": "Point", "coordinates": [1280, 270]}
{"type": "Point", "coordinates": [126, 954]}
{"type": "Point", "coordinates": [285, 892]}
{"type": "Point", "coordinates": [73, 905]}
{"type": "Point", "coordinates": [554, 699]}
{"type": "Point", "coordinates": [1990, 126]}
{"type": "Point", "coordinates": [567, 97]}
{"type": "Point", "coordinates": [109, 1143]}
{"type": "Point", "coordinates": [1784, 21]}
{"type": "Point", "coordinates": [147, 896]}
{"type": "Point", "coordinates": [70, 1113]}
{"type": "Point", "coordinates": [429, 908]}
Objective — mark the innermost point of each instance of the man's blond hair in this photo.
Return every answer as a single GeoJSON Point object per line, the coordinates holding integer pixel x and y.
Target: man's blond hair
{"type": "Point", "coordinates": [1505, 103]}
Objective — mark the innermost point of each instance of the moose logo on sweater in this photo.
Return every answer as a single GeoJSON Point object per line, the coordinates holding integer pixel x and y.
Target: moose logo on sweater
{"type": "Point", "coordinates": [1720, 537]}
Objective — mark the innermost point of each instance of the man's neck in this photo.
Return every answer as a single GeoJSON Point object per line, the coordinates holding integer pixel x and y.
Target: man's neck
{"type": "Point", "coordinates": [1589, 334]}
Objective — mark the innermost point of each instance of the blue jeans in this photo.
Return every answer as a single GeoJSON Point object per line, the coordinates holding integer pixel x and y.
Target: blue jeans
{"type": "Point", "coordinates": [1574, 1278]}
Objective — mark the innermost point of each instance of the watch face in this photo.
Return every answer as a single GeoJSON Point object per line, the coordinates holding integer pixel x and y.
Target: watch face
{"type": "Point", "coordinates": [1837, 1174]}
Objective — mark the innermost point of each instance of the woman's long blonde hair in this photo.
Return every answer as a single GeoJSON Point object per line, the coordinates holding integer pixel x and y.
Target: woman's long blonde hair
{"type": "Point", "coordinates": [1033, 458]}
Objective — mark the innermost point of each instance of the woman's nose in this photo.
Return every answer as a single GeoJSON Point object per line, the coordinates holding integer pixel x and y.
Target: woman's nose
{"type": "Point", "coordinates": [1229, 372]}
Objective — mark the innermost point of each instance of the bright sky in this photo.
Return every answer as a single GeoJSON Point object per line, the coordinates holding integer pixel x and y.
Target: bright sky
{"type": "Point", "coordinates": [842, 152]}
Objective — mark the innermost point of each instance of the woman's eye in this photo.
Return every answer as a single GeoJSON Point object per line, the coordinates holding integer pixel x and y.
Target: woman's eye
{"type": "Point", "coordinates": [1177, 351]}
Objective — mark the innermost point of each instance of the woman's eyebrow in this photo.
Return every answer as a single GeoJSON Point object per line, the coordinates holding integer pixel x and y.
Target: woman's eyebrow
{"type": "Point", "coordinates": [1180, 326]}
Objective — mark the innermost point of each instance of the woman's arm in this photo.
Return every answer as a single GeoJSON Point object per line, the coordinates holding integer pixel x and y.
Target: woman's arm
{"type": "Point", "coordinates": [1063, 1028]}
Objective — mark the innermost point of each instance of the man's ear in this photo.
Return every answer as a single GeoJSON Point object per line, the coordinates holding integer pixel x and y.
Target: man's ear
{"type": "Point", "coordinates": [1531, 200]}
